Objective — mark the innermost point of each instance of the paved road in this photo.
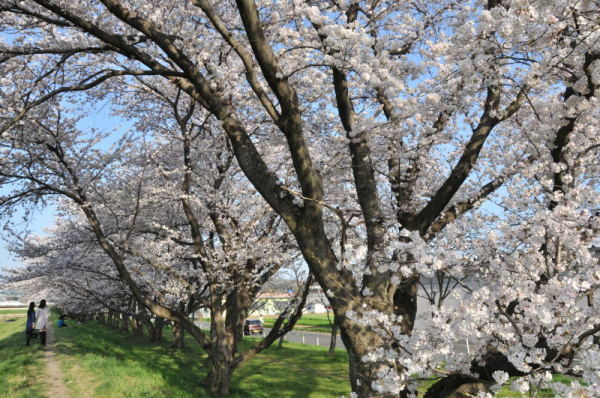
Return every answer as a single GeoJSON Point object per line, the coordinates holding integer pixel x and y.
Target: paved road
{"type": "Point", "coordinates": [318, 339]}
{"type": "Point", "coordinates": [309, 338]}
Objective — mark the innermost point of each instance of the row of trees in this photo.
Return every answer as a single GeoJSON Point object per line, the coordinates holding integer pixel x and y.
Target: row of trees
{"type": "Point", "coordinates": [386, 142]}
{"type": "Point", "coordinates": [168, 222]}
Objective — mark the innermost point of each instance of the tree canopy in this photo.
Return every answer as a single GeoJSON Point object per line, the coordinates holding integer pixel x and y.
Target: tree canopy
{"type": "Point", "coordinates": [401, 143]}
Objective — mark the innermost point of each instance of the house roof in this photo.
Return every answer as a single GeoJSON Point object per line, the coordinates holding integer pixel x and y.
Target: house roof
{"type": "Point", "coordinates": [274, 295]}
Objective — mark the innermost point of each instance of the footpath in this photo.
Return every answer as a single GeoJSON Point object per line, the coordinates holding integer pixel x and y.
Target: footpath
{"type": "Point", "coordinates": [55, 383]}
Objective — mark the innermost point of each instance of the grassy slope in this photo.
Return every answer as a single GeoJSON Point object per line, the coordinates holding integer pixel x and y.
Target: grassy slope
{"type": "Point", "coordinates": [20, 366]}
{"type": "Point", "coordinates": [98, 362]}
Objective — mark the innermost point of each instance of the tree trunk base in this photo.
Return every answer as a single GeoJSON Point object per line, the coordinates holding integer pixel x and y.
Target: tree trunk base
{"type": "Point", "coordinates": [218, 380]}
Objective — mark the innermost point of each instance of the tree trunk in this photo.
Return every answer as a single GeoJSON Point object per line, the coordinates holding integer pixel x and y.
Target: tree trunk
{"type": "Point", "coordinates": [159, 324]}
{"type": "Point", "coordinates": [227, 332]}
{"type": "Point", "coordinates": [110, 319]}
{"type": "Point", "coordinates": [222, 352]}
{"type": "Point", "coordinates": [334, 331]}
{"type": "Point", "coordinates": [138, 327]}
{"type": "Point", "coordinates": [361, 340]}
{"type": "Point", "coordinates": [386, 297]}
{"type": "Point", "coordinates": [155, 329]}
{"type": "Point", "coordinates": [125, 322]}
{"type": "Point", "coordinates": [177, 335]}
{"type": "Point", "coordinates": [218, 380]}
{"type": "Point", "coordinates": [364, 374]}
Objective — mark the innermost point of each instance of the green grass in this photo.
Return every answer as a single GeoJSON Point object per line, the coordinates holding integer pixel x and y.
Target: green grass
{"type": "Point", "coordinates": [20, 366]}
{"type": "Point", "coordinates": [14, 311]}
{"type": "Point", "coordinates": [99, 362]}
{"type": "Point", "coordinates": [308, 323]}
{"type": "Point", "coordinates": [105, 363]}
{"type": "Point", "coordinates": [543, 393]}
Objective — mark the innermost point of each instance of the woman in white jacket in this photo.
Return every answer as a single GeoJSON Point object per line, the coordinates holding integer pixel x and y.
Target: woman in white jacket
{"type": "Point", "coordinates": [41, 320]}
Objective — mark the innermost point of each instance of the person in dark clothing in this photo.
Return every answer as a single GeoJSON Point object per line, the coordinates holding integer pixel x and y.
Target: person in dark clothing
{"type": "Point", "coordinates": [30, 326]}
{"type": "Point", "coordinates": [41, 317]}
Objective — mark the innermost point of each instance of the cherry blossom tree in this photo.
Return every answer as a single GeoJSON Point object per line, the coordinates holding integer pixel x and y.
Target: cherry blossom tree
{"type": "Point", "coordinates": [173, 219]}
{"type": "Point", "coordinates": [67, 267]}
{"type": "Point", "coordinates": [374, 129]}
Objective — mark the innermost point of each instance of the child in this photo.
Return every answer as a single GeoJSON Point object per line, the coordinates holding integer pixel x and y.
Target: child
{"type": "Point", "coordinates": [61, 322]}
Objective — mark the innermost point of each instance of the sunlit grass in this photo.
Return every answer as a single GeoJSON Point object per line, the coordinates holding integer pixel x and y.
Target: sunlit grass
{"type": "Point", "coordinates": [20, 366]}
{"type": "Point", "coordinates": [100, 362]}
{"type": "Point", "coordinates": [14, 311]}
{"type": "Point", "coordinates": [308, 323]}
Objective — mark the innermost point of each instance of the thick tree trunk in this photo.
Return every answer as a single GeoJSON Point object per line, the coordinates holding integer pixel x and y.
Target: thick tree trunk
{"type": "Point", "coordinates": [384, 297]}
{"type": "Point", "coordinates": [218, 380]}
{"type": "Point", "coordinates": [222, 353]}
{"type": "Point", "coordinates": [333, 340]}
{"type": "Point", "coordinates": [227, 332]}
{"type": "Point", "coordinates": [359, 342]}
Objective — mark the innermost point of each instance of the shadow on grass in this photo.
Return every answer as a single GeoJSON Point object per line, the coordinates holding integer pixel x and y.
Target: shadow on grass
{"type": "Point", "coordinates": [115, 358]}
{"type": "Point", "coordinates": [119, 360]}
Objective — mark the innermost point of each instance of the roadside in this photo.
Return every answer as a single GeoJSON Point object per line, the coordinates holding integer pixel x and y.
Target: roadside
{"type": "Point", "coordinates": [296, 336]}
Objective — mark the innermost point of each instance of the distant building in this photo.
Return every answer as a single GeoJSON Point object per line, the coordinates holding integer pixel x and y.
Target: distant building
{"type": "Point", "coordinates": [275, 302]}
{"type": "Point", "coordinates": [316, 302]}
{"type": "Point", "coordinates": [270, 303]}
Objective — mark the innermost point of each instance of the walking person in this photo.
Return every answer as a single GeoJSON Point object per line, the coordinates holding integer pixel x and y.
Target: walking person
{"type": "Point", "coordinates": [41, 316]}
{"type": "Point", "coordinates": [30, 326]}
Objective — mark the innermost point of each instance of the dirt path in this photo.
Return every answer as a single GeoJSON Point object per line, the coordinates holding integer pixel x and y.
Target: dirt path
{"type": "Point", "coordinates": [56, 385]}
